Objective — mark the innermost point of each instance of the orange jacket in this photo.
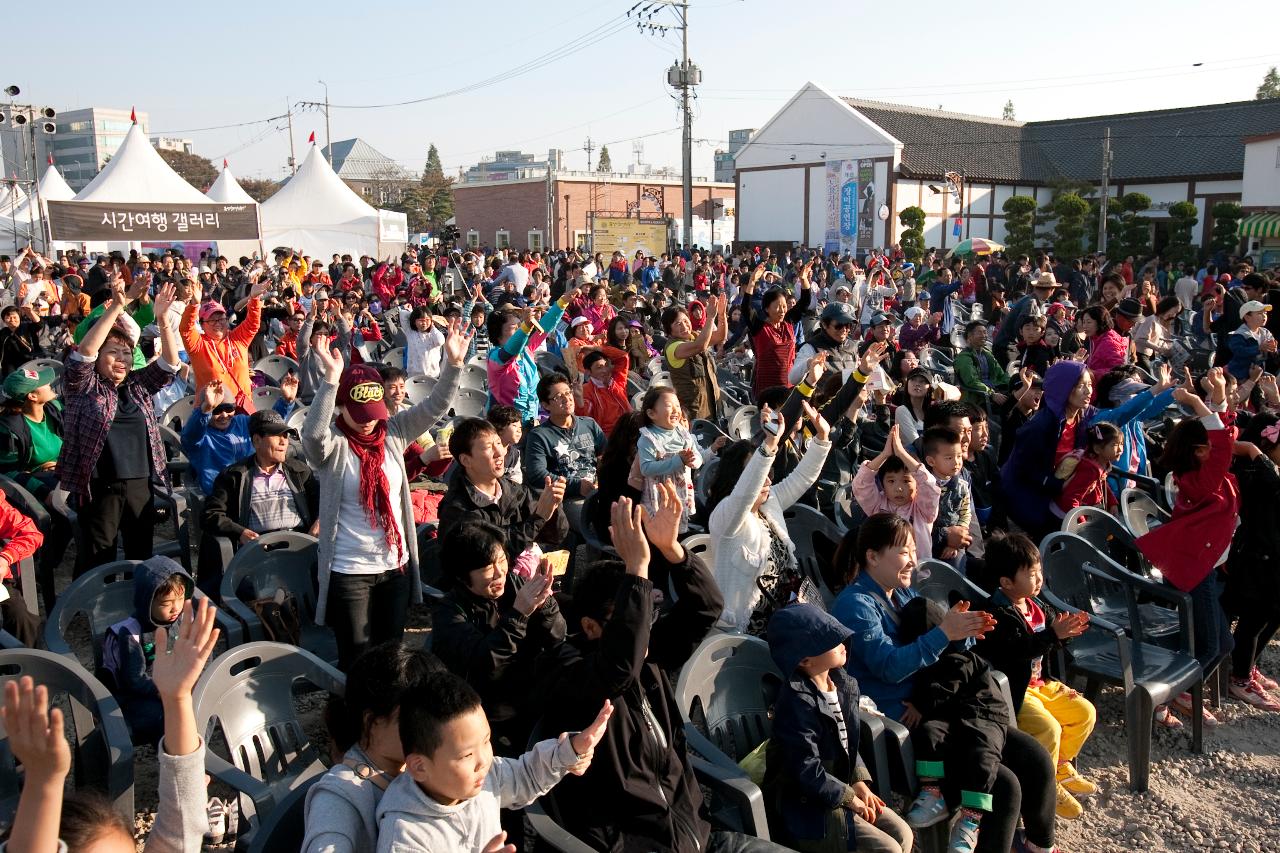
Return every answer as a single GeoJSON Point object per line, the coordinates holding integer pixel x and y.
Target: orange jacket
{"type": "Point", "coordinates": [227, 360]}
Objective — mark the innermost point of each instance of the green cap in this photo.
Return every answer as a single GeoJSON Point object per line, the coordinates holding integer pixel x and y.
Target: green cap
{"type": "Point", "coordinates": [24, 380]}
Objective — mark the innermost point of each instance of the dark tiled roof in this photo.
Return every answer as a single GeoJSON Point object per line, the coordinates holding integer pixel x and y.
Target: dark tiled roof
{"type": "Point", "coordinates": [1183, 142]}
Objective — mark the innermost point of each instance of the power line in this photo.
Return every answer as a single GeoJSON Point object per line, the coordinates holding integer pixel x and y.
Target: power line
{"type": "Point", "coordinates": [218, 126]}
{"type": "Point", "coordinates": [606, 30]}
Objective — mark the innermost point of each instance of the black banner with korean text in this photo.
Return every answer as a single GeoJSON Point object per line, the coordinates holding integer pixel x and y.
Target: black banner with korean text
{"type": "Point", "coordinates": [77, 221]}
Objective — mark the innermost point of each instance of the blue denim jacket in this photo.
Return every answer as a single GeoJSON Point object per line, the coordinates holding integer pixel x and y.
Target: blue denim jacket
{"type": "Point", "coordinates": [883, 669]}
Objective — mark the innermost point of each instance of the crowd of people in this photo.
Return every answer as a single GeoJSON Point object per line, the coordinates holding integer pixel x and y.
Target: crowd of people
{"type": "Point", "coordinates": [952, 409]}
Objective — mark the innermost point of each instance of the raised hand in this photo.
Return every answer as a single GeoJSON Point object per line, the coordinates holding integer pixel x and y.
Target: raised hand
{"type": "Point", "coordinates": [584, 742]}
{"type": "Point", "coordinates": [814, 369]}
{"type": "Point", "coordinates": [118, 293]}
{"type": "Point", "coordinates": [821, 429]}
{"type": "Point", "coordinates": [457, 339]}
{"type": "Point", "coordinates": [214, 395]}
{"type": "Point", "coordinates": [772, 437]}
{"type": "Point", "coordinates": [137, 290]}
{"type": "Point", "coordinates": [875, 354]}
{"type": "Point", "coordinates": [331, 363]}
{"type": "Point", "coordinates": [626, 529]}
{"type": "Point", "coordinates": [663, 526]}
{"type": "Point", "coordinates": [35, 732]}
{"type": "Point", "coordinates": [165, 297]}
{"type": "Point", "coordinates": [175, 673]}
{"type": "Point", "coordinates": [289, 387]}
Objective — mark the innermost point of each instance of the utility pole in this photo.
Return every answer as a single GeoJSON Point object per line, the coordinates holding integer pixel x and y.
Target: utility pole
{"type": "Point", "coordinates": [683, 76]}
{"type": "Point", "coordinates": [1106, 181]}
{"type": "Point", "coordinates": [589, 146]}
{"type": "Point", "coordinates": [293, 161]}
{"type": "Point", "coordinates": [328, 137]}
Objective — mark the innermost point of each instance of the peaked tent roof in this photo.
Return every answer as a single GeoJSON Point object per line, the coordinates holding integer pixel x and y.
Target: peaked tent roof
{"type": "Point", "coordinates": [319, 214]}
{"type": "Point", "coordinates": [137, 173]}
{"type": "Point", "coordinates": [1173, 143]}
{"type": "Point", "coordinates": [52, 188]}
{"type": "Point", "coordinates": [11, 198]}
{"type": "Point", "coordinates": [227, 190]}
{"type": "Point", "coordinates": [357, 160]}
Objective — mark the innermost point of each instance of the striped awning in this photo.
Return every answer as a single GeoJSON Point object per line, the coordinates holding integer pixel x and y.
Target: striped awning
{"type": "Point", "coordinates": [1260, 225]}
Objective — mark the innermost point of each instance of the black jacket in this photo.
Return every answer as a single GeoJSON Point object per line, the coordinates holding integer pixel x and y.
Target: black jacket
{"type": "Point", "coordinates": [1253, 569]}
{"type": "Point", "coordinates": [20, 345]}
{"type": "Point", "coordinates": [513, 512]}
{"type": "Point", "coordinates": [1011, 647]}
{"type": "Point", "coordinates": [640, 793]}
{"type": "Point", "coordinates": [494, 647]}
{"type": "Point", "coordinates": [226, 510]}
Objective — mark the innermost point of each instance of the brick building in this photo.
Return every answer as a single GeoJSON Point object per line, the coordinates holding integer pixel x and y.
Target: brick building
{"type": "Point", "coordinates": [537, 213]}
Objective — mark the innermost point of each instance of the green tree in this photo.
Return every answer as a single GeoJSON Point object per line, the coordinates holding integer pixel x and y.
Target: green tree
{"type": "Point", "coordinates": [435, 192]}
{"type": "Point", "coordinates": [605, 165]}
{"type": "Point", "coordinates": [259, 189]}
{"type": "Point", "coordinates": [1069, 210]}
{"type": "Point", "coordinates": [1009, 113]}
{"type": "Point", "coordinates": [1270, 87]}
{"type": "Point", "coordinates": [1019, 224]}
{"type": "Point", "coordinates": [1226, 221]}
{"type": "Point", "coordinates": [1132, 235]}
{"type": "Point", "coordinates": [1048, 214]}
{"type": "Point", "coordinates": [911, 240]}
{"type": "Point", "coordinates": [193, 168]}
{"type": "Point", "coordinates": [1183, 217]}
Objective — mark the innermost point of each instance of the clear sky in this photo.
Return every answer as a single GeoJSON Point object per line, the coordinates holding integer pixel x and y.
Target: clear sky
{"type": "Point", "coordinates": [565, 69]}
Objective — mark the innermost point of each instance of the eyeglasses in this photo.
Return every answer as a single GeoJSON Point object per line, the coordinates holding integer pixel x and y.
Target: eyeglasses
{"type": "Point", "coordinates": [563, 397]}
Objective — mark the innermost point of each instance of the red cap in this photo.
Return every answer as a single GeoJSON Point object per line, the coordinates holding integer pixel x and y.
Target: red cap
{"type": "Point", "coordinates": [360, 391]}
{"type": "Point", "coordinates": [1225, 278]}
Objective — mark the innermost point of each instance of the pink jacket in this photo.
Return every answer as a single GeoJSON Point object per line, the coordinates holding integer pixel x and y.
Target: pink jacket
{"type": "Point", "coordinates": [921, 512]}
{"type": "Point", "coordinates": [1106, 351]}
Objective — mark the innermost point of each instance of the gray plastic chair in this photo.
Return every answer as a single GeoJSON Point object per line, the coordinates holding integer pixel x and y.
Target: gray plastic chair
{"type": "Point", "coordinates": [1113, 540]}
{"type": "Point", "coordinates": [1140, 512]}
{"type": "Point", "coordinates": [276, 367]}
{"type": "Point", "coordinates": [475, 378]}
{"type": "Point", "coordinates": [104, 596]}
{"type": "Point", "coordinates": [394, 357]}
{"type": "Point", "coordinates": [816, 539]}
{"type": "Point", "coordinates": [265, 397]}
{"type": "Point", "coordinates": [179, 412]}
{"type": "Point", "coordinates": [247, 696]}
{"type": "Point", "coordinates": [1149, 674]}
{"type": "Point", "coordinates": [25, 502]}
{"type": "Point", "coordinates": [297, 418]}
{"type": "Point", "coordinates": [284, 827]}
{"type": "Point", "coordinates": [102, 752]}
{"type": "Point", "coordinates": [468, 403]}
{"type": "Point", "coordinates": [418, 387]}
{"type": "Point", "coordinates": [281, 560]}
{"type": "Point", "coordinates": [744, 423]}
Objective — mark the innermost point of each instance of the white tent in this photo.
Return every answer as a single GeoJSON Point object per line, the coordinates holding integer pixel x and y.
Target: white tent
{"type": "Point", "coordinates": [26, 219]}
{"type": "Point", "coordinates": [137, 173]}
{"type": "Point", "coordinates": [227, 190]}
{"type": "Point", "coordinates": [316, 213]}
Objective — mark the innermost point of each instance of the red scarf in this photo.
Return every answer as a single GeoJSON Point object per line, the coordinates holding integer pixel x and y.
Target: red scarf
{"type": "Point", "coordinates": [375, 491]}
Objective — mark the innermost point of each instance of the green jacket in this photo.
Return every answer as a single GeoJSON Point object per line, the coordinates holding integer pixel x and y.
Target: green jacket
{"type": "Point", "coordinates": [969, 376]}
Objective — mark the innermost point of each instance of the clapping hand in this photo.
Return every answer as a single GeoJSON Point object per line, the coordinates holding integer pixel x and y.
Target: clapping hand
{"type": "Point", "coordinates": [551, 498]}
{"type": "Point", "coordinates": [536, 590]}
{"type": "Point", "coordinates": [961, 623]}
{"type": "Point", "coordinates": [289, 387]}
{"type": "Point", "coordinates": [584, 742]}
{"type": "Point", "coordinates": [1068, 625]}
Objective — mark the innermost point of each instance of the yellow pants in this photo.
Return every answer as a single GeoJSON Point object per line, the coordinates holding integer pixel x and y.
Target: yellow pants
{"type": "Point", "coordinates": [1059, 718]}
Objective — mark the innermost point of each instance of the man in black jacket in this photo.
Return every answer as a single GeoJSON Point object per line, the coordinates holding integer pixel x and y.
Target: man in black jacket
{"type": "Point", "coordinates": [264, 493]}
{"type": "Point", "coordinates": [478, 491]}
{"type": "Point", "coordinates": [640, 793]}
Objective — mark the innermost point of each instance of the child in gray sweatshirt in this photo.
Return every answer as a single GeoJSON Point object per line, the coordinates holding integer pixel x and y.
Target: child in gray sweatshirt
{"type": "Point", "coordinates": [453, 786]}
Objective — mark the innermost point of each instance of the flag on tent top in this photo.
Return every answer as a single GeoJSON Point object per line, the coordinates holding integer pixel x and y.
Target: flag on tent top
{"type": "Point", "coordinates": [133, 114]}
{"type": "Point", "coordinates": [50, 159]}
{"type": "Point", "coordinates": [312, 137]}
{"type": "Point", "coordinates": [224, 162]}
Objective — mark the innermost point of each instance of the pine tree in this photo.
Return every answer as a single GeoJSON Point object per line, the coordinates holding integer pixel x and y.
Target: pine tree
{"type": "Point", "coordinates": [604, 165]}
{"type": "Point", "coordinates": [436, 190]}
{"type": "Point", "coordinates": [1270, 87]}
{"type": "Point", "coordinates": [1009, 114]}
